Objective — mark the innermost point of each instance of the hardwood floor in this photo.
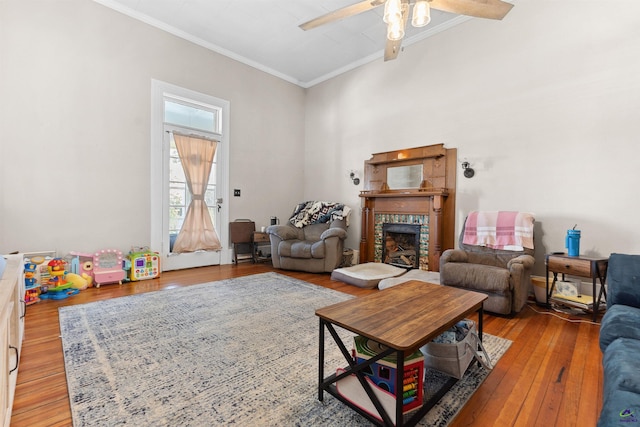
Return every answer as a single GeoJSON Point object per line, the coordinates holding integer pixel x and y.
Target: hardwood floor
{"type": "Point", "coordinates": [550, 376]}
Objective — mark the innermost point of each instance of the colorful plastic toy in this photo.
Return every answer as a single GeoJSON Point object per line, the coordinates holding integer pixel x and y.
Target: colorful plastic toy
{"type": "Point", "coordinates": [82, 264]}
{"type": "Point", "coordinates": [383, 373]}
{"type": "Point", "coordinates": [57, 271]}
{"type": "Point", "coordinates": [107, 267]}
{"type": "Point", "coordinates": [144, 265]}
{"type": "Point", "coordinates": [58, 294]}
{"type": "Point", "coordinates": [77, 281]}
{"type": "Point", "coordinates": [31, 294]}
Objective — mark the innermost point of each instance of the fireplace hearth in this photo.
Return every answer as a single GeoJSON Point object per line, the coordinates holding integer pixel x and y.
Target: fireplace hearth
{"type": "Point", "coordinates": [401, 245]}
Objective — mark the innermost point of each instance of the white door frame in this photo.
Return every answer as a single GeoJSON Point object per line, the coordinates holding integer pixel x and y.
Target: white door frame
{"type": "Point", "coordinates": [159, 170]}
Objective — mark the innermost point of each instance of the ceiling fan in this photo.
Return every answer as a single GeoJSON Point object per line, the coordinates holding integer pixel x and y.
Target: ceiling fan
{"type": "Point", "coordinates": [396, 14]}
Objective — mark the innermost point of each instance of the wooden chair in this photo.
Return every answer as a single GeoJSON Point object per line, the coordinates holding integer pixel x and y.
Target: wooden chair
{"type": "Point", "coordinates": [241, 235]}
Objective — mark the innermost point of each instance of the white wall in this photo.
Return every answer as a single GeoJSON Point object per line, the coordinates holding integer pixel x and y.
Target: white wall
{"type": "Point", "coordinates": [75, 91]}
{"type": "Point", "coordinates": [544, 105]}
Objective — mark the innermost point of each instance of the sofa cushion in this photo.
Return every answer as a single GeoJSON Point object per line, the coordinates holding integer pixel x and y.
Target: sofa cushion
{"type": "Point", "coordinates": [621, 408]}
{"type": "Point", "coordinates": [620, 363]}
{"type": "Point", "coordinates": [621, 393]}
{"type": "Point", "coordinates": [484, 278]}
{"type": "Point", "coordinates": [301, 249]}
{"type": "Point", "coordinates": [314, 231]}
{"type": "Point", "coordinates": [619, 321]}
{"type": "Point", "coordinates": [317, 249]}
{"type": "Point", "coordinates": [622, 382]}
{"type": "Point", "coordinates": [623, 280]}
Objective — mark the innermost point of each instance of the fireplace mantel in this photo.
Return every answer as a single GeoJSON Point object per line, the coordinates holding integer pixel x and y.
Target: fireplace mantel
{"type": "Point", "coordinates": [430, 201]}
{"type": "Point", "coordinates": [385, 194]}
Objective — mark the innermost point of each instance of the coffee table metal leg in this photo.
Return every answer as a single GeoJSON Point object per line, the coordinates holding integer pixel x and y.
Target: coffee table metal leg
{"type": "Point", "coordinates": [480, 316]}
{"type": "Point", "coordinates": [321, 362]}
{"type": "Point", "coordinates": [399, 388]}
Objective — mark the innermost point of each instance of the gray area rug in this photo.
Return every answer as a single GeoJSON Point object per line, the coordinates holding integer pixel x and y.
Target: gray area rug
{"type": "Point", "coordinates": [240, 351]}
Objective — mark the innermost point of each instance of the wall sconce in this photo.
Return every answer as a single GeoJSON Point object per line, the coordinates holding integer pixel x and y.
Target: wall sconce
{"type": "Point", "coordinates": [468, 171]}
{"type": "Point", "coordinates": [354, 178]}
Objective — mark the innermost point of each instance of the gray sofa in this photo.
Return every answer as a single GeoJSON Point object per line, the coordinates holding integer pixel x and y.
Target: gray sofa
{"type": "Point", "coordinates": [315, 248]}
{"type": "Point", "coordinates": [505, 276]}
{"type": "Point", "coordinates": [620, 343]}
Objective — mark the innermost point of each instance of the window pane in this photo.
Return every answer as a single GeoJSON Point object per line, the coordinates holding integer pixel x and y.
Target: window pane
{"type": "Point", "coordinates": [210, 197]}
{"type": "Point", "coordinates": [173, 150]}
{"type": "Point", "coordinates": [176, 217]}
{"type": "Point", "coordinates": [177, 195]}
{"type": "Point", "coordinates": [191, 117]}
{"type": "Point", "coordinates": [212, 175]}
{"type": "Point", "coordinates": [176, 173]}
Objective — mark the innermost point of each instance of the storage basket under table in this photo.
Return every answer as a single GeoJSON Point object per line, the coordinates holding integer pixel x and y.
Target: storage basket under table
{"type": "Point", "coordinates": [454, 358]}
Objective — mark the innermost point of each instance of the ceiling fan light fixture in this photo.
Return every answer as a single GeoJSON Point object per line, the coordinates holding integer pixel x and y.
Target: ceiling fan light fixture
{"type": "Point", "coordinates": [421, 14]}
{"type": "Point", "coordinates": [392, 11]}
{"type": "Point", "coordinates": [395, 30]}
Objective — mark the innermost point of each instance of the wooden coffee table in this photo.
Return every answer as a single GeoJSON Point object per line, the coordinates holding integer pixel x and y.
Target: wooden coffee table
{"type": "Point", "coordinates": [402, 318]}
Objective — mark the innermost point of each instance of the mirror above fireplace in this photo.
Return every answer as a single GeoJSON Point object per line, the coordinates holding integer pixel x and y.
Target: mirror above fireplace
{"type": "Point", "coordinates": [404, 177]}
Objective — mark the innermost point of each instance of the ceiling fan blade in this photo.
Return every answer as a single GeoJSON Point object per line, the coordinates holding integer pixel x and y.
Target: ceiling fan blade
{"type": "Point", "coordinates": [339, 14]}
{"type": "Point", "coordinates": [490, 9]}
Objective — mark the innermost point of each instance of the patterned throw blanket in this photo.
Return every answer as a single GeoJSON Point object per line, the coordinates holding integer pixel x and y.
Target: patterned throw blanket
{"type": "Point", "coordinates": [318, 212]}
{"type": "Point", "coordinates": [510, 231]}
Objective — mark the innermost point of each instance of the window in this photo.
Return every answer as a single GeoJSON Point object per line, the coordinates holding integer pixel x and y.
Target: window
{"type": "Point", "coordinates": [191, 115]}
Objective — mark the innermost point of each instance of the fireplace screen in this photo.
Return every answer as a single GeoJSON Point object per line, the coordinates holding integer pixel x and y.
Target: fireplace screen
{"type": "Point", "coordinates": [401, 245]}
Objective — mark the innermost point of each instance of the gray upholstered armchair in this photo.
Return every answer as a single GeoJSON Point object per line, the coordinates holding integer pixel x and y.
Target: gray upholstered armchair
{"type": "Point", "coordinates": [312, 240]}
{"type": "Point", "coordinates": [504, 275]}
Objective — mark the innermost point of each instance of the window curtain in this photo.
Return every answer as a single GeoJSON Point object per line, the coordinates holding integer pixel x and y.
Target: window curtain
{"type": "Point", "coordinates": [197, 232]}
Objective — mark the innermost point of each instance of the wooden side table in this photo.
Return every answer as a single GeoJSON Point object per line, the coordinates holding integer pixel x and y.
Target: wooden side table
{"type": "Point", "coordinates": [581, 266]}
{"type": "Point", "coordinates": [259, 239]}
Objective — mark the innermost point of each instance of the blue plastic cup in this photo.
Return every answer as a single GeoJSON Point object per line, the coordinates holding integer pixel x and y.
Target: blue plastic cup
{"type": "Point", "coordinates": [572, 242]}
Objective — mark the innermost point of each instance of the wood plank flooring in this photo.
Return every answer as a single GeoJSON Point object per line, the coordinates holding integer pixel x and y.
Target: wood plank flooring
{"type": "Point", "coordinates": [551, 375]}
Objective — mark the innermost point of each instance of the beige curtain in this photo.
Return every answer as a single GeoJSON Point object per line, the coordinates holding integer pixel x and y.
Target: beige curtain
{"type": "Point", "coordinates": [197, 232]}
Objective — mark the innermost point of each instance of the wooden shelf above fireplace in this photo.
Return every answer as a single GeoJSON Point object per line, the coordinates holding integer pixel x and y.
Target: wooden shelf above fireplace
{"type": "Point", "coordinates": [416, 193]}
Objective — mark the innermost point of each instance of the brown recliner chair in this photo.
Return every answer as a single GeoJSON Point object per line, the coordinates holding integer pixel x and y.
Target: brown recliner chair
{"type": "Point", "coordinates": [504, 275]}
{"type": "Point", "coordinates": [315, 248]}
